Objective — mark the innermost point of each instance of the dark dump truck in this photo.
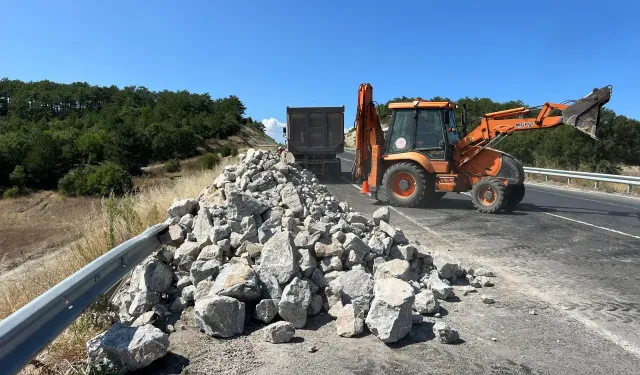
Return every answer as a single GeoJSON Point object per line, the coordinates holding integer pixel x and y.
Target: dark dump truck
{"type": "Point", "coordinates": [315, 135]}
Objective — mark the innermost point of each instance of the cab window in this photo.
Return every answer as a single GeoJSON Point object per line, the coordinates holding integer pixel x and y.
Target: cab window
{"type": "Point", "coordinates": [452, 132]}
{"type": "Point", "coordinates": [429, 128]}
{"type": "Point", "coordinates": [401, 137]}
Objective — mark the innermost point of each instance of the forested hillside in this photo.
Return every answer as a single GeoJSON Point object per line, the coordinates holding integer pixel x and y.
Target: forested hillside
{"type": "Point", "coordinates": [48, 129]}
{"type": "Point", "coordinates": [561, 147]}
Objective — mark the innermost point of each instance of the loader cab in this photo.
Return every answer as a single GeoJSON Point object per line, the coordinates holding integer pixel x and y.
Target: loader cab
{"type": "Point", "coordinates": [425, 127]}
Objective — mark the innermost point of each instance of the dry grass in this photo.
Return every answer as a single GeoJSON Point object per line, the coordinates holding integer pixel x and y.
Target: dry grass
{"type": "Point", "coordinates": [39, 223]}
{"type": "Point", "coordinates": [119, 220]}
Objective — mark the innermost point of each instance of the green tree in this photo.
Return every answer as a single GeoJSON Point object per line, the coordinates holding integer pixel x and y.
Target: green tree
{"type": "Point", "coordinates": [19, 176]}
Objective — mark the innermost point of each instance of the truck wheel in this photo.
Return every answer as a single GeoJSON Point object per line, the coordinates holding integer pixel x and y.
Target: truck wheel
{"type": "Point", "coordinates": [337, 173]}
{"type": "Point", "coordinates": [404, 184]}
{"type": "Point", "coordinates": [489, 195]}
{"type": "Point", "coordinates": [515, 194]}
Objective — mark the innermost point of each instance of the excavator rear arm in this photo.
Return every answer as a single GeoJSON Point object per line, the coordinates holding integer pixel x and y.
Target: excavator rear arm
{"type": "Point", "coordinates": [369, 138]}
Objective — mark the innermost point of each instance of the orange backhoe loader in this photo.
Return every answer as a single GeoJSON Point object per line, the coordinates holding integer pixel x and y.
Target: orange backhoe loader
{"type": "Point", "coordinates": [423, 155]}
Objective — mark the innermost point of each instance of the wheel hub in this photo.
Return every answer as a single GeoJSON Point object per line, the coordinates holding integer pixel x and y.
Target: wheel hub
{"type": "Point", "coordinates": [487, 196]}
{"type": "Point", "coordinates": [404, 185]}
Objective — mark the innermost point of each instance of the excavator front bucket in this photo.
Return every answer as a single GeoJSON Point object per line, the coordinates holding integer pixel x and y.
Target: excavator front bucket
{"type": "Point", "coordinates": [584, 114]}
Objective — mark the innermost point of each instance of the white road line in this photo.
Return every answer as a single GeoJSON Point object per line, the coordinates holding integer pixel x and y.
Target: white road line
{"type": "Point", "coordinates": [583, 222]}
{"type": "Point", "coordinates": [583, 191]}
{"type": "Point", "coordinates": [584, 199]}
{"type": "Point", "coordinates": [591, 225]}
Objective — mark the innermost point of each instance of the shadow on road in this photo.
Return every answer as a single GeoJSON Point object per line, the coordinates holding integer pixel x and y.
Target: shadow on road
{"type": "Point", "coordinates": [170, 364]}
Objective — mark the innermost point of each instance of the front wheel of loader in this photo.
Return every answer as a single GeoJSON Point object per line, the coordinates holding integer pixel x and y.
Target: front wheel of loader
{"type": "Point", "coordinates": [404, 184]}
{"type": "Point", "coordinates": [489, 195]}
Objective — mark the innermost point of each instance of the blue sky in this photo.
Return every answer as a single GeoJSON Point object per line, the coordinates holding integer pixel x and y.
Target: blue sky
{"type": "Point", "coordinates": [274, 54]}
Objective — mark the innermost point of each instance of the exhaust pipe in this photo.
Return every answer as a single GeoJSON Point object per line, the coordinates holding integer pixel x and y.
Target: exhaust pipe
{"type": "Point", "coordinates": [584, 114]}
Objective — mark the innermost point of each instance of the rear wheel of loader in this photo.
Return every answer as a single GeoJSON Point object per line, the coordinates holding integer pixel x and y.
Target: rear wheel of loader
{"type": "Point", "coordinates": [489, 195]}
{"type": "Point", "coordinates": [404, 184]}
{"type": "Point", "coordinates": [515, 194]}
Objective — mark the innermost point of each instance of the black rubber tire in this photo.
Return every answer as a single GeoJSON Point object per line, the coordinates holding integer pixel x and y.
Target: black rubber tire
{"type": "Point", "coordinates": [336, 172]}
{"type": "Point", "coordinates": [515, 193]}
{"type": "Point", "coordinates": [499, 191]}
{"type": "Point", "coordinates": [518, 192]}
{"type": "Point", "coordinates": [420, 177]}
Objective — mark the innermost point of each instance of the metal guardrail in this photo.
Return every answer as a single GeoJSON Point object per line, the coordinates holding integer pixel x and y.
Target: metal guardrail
{"type": "Point", "coordinates": [630, 181]}
{"type": "Point", "coordinates": [27, 331]}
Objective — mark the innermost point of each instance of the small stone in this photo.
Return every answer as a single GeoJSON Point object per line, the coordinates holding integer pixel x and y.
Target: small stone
{"type": "Point", "coordinates": [350, 321]}
{"type": "Point", "coordinates": [533, 312]}
{"type": "Point", "coordinates": [312, 349]}
{"type": "Point", "coordinates": [315, 305]}
{"type": "Point", "coordinates": [278, 257]}
{"type": "Point", "coordinates": [330, 264]}
{"type": "Point", "coordinates": [318, 278]}
{"type": "Point", "coordinates": [437, 315]}
{"type": "Point", "coordinates": [328, 247]}
{"type": "Point", "coordinates": [393, 269]}
{"type": "Point", "coordinates": [146, 318]}
{"type": "Point", "coordinates": [294, 302]}
{"type": "Point", "coordinates": [156, 277]}
{"type": "Point", "coordinates": [467, 289]}
{"type": "Point", "coordinates": [187, 221]}
{"type": "Point", "coordinates": [220, 316]}
{"type": "Point", "coordinates": [483, 272]}
{"type": "Point", "coordinates": [238, 281]}
{"type": "Point", "coordinates": [266, 310]}
{"type": "Point", "coordinates": [494, 339]}
{"type": "Point", "coordinates": [189, 293]}
{"type": "Point", "coordinates": [354, 287]}
{"type": "Point", "coordinates": [122, 348]}
{"type": "Point", "coordinates": [142, 302]}
{"type": "Point", "coordinates": [279, 332]}
{"type": "Point", "coordinates": [426, 303]}
{"type": "Point", "coordinates": [181, 207]}
{"type": "Point", "coordinates": [305, 240]}
{"type": "Point", "coordinates": [203, 289]}
{"type": "Point", "coordinates": [447, 266]}
{"type": "Point", "coordinates": [307, 263]}
{"type": "Point", "coordinates": [201, 270]}
{"type": "Point", "coordinates": [176, 235]}
{"type": "Point", "coordinates": [381, 213]}
{"type": "Point", "coordinates": [487, 299]}
{"type": "Point", "coordinates": [390, 317]}
{"type": "Point", "coordinates": [445, 333]}
{"type": "Point", "coordinates": [484, 281]}
{"type": "Point", "coordinates": [355, 244]}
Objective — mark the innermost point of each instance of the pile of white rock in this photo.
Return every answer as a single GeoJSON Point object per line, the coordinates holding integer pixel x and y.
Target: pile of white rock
{"type": "Point", "coordinates": [267, 241]}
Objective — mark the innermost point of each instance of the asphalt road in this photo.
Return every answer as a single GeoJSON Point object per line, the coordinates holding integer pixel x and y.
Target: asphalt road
{"type": "Point", "coordinates": [578, 253]}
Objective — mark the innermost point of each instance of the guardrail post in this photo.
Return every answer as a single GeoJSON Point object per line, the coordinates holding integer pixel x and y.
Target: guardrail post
{"type": "Point", "coordinates": [629, 189]}
{"type": "Point", "coordinates": [568, 180]}
{"type": "Point", "coordinates": [596, 184]}
{"type": "Point", "coordinates": [546, 178]}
